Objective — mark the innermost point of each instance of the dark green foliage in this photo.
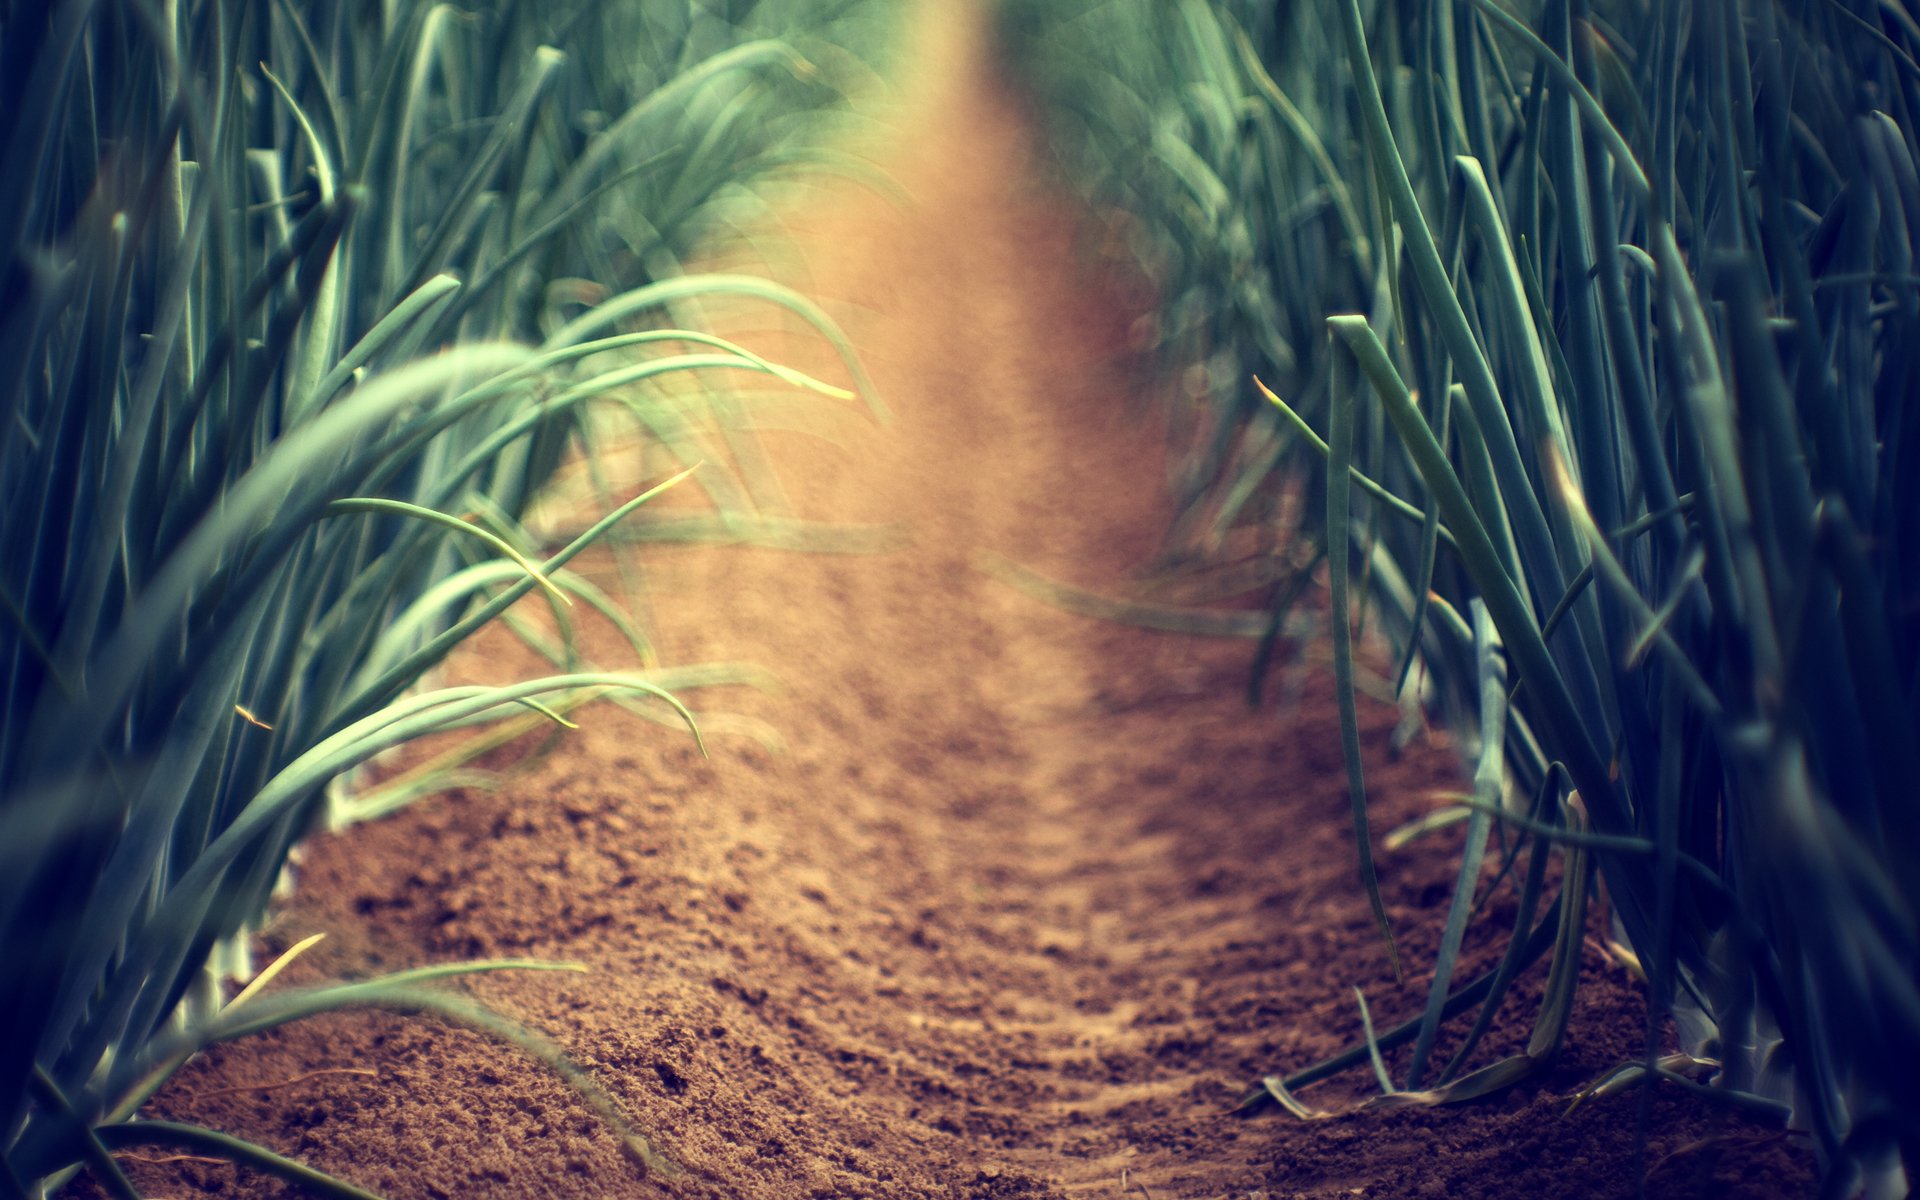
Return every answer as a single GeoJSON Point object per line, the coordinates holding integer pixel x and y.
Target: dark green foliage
{"type": "Point", "coordinates": [288, 289]}
{"type": "Point", "coordinates": [1640, 318]}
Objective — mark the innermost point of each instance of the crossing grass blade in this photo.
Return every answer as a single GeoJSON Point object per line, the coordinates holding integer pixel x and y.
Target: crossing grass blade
{"type": "Point", "coordinates": [1489, 773]}
{"type": "Point", "coordinates": [1339, 533]}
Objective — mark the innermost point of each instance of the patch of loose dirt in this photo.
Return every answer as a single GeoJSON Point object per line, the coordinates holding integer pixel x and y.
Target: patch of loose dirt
{"type": "Point", "coordinates": [1028, 899]}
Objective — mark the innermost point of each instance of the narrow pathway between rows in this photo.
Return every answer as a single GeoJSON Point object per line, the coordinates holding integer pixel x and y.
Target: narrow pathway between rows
{"type": "Point", "coordinates": [1025, 899]}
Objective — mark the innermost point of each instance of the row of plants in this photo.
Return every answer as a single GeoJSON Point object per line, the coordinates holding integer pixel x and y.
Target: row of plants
{"type": "Point", "coordinates": [1584, 332]}
{"type": "Point", "coordinates": [304, 304]}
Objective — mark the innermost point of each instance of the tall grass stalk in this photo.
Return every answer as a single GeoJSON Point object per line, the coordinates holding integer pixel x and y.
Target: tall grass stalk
{"type": "Point", "coordinates": [1631, 290]}
{"type": "Point", "coordinates": [288, 346]}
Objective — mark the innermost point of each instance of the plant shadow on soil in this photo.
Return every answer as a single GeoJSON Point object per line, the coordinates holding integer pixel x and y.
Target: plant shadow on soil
{"type": "Point", "coordinates": [1024, 901]}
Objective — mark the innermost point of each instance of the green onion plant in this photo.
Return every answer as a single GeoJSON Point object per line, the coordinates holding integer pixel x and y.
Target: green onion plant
{"type": "Point", "coordinates": [293, 333]}
{"type": "Point", "coordinates": [1586, 332]}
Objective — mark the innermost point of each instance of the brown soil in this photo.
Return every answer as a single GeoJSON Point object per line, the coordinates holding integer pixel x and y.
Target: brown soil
{"type": "Point", "coordinates": [1026, 901]}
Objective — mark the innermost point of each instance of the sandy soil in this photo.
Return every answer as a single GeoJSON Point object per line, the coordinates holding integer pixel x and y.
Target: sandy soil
{"type": "Point", "coordinates": [1026, 901]}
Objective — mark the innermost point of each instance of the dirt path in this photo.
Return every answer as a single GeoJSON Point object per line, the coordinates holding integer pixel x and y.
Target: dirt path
{"type": "Point", "coordinates": [1028, 898]}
